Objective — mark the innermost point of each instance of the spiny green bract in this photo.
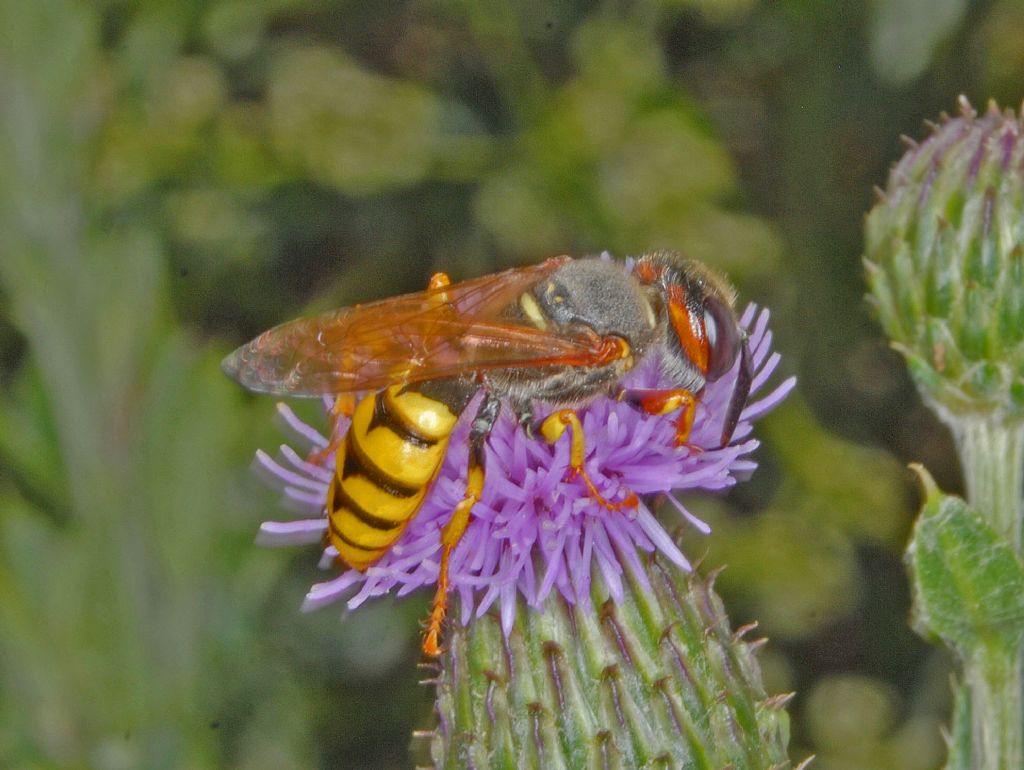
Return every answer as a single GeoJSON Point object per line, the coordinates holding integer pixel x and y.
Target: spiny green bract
{"type": "Point", "coordinates": [945, 261]}
{"type": "Point", "coordinates": [658, 681]}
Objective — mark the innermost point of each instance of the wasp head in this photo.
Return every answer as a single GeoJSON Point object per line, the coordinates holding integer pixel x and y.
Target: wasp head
{"type": "Point", "coordinates": [703, 337]}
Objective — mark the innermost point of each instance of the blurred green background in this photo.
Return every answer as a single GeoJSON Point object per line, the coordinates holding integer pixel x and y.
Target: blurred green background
{"type": "Point", "coordinates": [177, 176]}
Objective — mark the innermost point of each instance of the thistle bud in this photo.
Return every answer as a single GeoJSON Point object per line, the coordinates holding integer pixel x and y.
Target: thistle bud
{"type": "Point", "coordinates": [656, 679]}
{"type": "Point", "coordinates": [945, 262]}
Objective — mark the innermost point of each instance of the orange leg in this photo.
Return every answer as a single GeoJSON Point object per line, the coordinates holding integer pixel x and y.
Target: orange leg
{"type": "Point", "coordinates": [439, 281]}
{"type": "Point", "coordinates": [451, 535]}
{"type": "Point", "coordinates": [552, 428]}
{"type": "Point", "coordinates": [344, 405]}
{"type": "Point", "coordinates": [663, 402]}
{"type": "Point", "coordinates": [486, 416]}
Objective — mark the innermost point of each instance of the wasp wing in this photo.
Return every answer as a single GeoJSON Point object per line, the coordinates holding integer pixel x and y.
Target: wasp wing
{"type": "Point", "coordinates": [438, 333]}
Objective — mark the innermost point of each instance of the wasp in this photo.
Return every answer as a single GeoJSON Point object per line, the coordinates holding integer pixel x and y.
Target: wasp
{"type": "Point", "coordinates": [561, 333]}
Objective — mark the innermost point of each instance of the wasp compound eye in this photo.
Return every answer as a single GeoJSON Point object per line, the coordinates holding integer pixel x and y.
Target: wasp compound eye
{"type": "Point", "coordinates": [723, 338]}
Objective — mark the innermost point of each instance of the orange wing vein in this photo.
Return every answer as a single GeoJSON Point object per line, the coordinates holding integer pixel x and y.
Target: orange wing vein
{"type": "Point", "coordinates": [443, 332]}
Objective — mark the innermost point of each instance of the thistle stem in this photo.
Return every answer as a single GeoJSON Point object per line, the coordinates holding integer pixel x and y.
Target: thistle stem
{"type": "Point", "coordinates": [992, 454]}
{"type": "Point", "coordinates": [993, 678]}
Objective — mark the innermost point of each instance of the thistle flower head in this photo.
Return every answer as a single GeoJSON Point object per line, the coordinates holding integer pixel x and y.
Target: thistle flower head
{"type": "Point", "coordinates": [945, 261]}
{"type": "Point", "coordinates": [537, 530]}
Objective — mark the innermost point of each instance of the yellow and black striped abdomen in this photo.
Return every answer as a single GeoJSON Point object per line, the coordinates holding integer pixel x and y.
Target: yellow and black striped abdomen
{"type": "Point", "coordinates": [385, 464]}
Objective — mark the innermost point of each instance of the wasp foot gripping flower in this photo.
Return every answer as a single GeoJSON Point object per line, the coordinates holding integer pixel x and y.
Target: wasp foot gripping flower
{"type": "Point", "coordinates": [577, 639]}
{"type": "Point", "coordinates": [945, 265]}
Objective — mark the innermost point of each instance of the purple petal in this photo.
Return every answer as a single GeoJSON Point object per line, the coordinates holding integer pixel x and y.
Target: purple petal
{"type": "Point", "coordinates": [297, 428]}
{"type": "Point", "coordinates": [279, 533]}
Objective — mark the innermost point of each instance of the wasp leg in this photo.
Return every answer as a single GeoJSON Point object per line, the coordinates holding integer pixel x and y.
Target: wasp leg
{"type": "Point", "coordinates": [653, 401]}
{"type": "Point", "coordinates": [552, 428]}
{"type": "Point", "coordinates": [344, 406]}
{"type": "Point", "coordinates": [524, 415]}
{"type": "Point", "coordinates": [439, 281]}
{"type": "Point", "coordinates": [453, 531]}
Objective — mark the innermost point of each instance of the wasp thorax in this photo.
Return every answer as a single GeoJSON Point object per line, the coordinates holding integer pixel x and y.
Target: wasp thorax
{"type": "Point", "coordinates": [599, 295]}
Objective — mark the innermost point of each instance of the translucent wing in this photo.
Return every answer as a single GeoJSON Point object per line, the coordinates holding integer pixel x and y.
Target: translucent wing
{"type": "Point", "coordinates": [443, 332]}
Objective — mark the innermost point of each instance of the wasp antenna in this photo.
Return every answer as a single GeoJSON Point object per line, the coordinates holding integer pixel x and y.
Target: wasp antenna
{"type": "Point", "coordinates": [740, 392]}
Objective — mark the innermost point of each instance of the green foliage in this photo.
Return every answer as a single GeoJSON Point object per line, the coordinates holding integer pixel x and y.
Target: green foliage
{"type": "Point", "coordinates": [617, 157]}
{"type": "Point", "coordinates": [383, 135]}
{"type": "Point", "coordinates": [968, 580]}
{"type": "Point", "coordinates": [835, 495]}
{"type": "Point", "coordinates": [867, 731]}
{"type": "Point", "coordinates": [906, 33]}
{"type": "Point", "coordinates": [129, 585]}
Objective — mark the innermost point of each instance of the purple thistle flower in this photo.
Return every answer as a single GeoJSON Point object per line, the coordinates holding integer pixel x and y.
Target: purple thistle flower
{"type": "Point", "coordinates": [535, 531]}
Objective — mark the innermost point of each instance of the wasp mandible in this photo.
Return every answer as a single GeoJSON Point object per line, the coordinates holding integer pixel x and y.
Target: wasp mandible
{"type": "Point", "coordinates": [562, 333]}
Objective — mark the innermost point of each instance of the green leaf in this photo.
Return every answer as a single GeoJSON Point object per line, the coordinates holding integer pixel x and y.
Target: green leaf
{"type": "Point", "coordinates": [968, 581]}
